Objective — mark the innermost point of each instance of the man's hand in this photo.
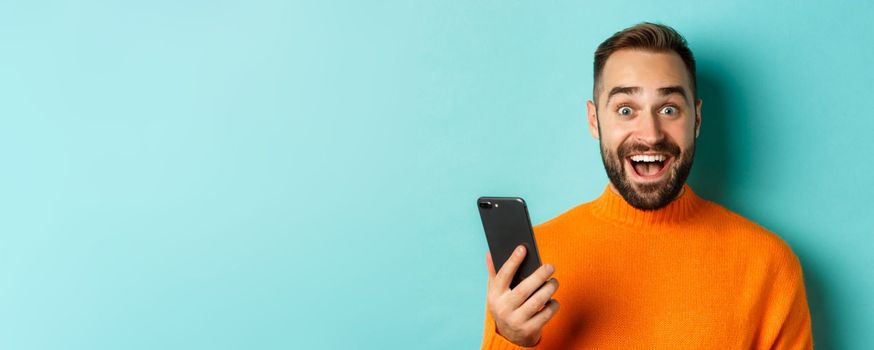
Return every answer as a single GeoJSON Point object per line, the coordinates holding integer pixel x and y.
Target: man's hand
{"type": "Point", "coordinates": [520, 313]}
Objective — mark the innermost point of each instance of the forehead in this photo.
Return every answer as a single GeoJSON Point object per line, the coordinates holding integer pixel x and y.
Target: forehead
{"type": "Point", "coordinates": [646, 69]}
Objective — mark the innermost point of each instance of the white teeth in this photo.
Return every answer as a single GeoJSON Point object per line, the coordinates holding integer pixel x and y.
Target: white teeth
{"type": "Point", "coordinates": [648, 158]}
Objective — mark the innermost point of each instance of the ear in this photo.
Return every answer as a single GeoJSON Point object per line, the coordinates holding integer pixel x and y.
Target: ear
{"type": "Point", "coordinates": [698, 117]}
{"type": "Point", "coordinates": [592, 117]}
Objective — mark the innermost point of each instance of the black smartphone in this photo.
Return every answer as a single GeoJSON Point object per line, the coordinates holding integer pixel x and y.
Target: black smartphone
{"type": "Point", "coordinates": [507, 225]}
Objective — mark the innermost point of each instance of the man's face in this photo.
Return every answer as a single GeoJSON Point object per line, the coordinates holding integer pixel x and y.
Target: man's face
{"type": "Point", "coordinates": [647, 121]}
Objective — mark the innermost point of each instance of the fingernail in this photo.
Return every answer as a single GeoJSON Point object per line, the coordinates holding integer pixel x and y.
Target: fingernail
{"type": "Point", "coordinates": [519, 250]}
{"type": "Point", "coordinates": [549, 268]}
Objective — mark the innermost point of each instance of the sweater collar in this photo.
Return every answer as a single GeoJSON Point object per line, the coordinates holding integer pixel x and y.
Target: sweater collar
{"type": "Point", "coordinates": [613, 207]}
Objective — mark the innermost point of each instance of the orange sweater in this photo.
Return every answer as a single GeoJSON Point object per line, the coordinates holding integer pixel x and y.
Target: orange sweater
{"type": "Point", "coordinates": [692, 275]}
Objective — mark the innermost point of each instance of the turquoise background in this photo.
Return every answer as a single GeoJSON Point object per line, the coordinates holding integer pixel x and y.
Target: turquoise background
{"type": "Point", "coordinates": [289, 175]}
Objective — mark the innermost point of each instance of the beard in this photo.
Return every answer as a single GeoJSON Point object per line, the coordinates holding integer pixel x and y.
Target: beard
{"type": "Point", "coordinates": [648, 196]}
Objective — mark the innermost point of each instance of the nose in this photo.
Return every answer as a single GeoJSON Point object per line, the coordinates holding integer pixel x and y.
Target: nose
{"type": "Point", "coordinates": [649, 130]}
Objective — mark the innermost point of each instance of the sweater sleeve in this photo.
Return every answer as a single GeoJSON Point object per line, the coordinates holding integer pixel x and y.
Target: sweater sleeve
{"type": "Point", "coordinates": [787, 324]}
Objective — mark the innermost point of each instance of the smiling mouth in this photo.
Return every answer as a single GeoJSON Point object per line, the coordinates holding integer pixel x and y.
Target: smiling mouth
{"type": "Point", "coordinates": [648, 167]}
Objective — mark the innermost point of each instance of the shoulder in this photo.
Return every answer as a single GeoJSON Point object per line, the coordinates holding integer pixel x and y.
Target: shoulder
{"type": "Point", "coordinates": [752, 238]}
{"type": "Point", "coordinates": [568, 220]}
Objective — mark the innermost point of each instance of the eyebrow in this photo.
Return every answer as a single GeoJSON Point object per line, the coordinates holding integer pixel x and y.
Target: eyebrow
{"type": "Point", "coordinates": [634, 90]}
{"type": "Point", "coordinates": [665, 91]}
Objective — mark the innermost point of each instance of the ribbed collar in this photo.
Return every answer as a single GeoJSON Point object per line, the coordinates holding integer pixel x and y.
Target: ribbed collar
{"type": "Point", "coordinates": [612, 207]}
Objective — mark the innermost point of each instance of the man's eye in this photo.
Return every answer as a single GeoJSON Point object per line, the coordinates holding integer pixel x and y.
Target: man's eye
{"type": "Point", "coordinates": [669, 110]}
{"type": "Point", "coordinates": [624, 111]}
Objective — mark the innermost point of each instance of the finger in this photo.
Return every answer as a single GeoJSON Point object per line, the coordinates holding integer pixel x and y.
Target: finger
{"type": "Point", "coordinates": [531, 283]}
{"type": "Point", "coordinates": [539, 299]}
{"type": "Point", "coordinates": [505, 274]}
{"type": "Point", "coordinates": [490, 265]}
{"type": "Point", "coordinates": [544, 315]}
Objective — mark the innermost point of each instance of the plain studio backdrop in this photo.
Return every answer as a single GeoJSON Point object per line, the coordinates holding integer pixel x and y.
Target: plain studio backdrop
{"type": "Point", "coordinates": [290, 175]}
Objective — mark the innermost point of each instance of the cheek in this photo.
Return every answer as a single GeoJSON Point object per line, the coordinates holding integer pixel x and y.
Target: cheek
{"type": "Point", "coordinates": [683, 136]}
{"type": "Point", "coordinates": [614, 137]}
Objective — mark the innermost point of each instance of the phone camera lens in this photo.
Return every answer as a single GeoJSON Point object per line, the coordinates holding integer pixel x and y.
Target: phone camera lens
{"type": "Point", "coordinates": [485, 205]}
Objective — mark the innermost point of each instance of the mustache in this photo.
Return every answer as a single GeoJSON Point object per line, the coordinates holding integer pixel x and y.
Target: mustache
{"type": "Point", "coordinates": [663, 146]}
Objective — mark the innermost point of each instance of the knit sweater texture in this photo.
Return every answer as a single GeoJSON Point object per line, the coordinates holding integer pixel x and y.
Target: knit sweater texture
{"type": "Point", "coordinates": [691, 275]}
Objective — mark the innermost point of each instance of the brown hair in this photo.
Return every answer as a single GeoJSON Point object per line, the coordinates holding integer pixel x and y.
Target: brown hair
{"type": "Point", "coordinates": [645, 36]}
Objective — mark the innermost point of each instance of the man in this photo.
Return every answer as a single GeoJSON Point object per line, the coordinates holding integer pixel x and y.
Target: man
{"type": "Point", "coordinates": [649, 264]}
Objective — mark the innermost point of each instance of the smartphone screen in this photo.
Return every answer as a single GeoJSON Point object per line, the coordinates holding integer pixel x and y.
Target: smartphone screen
{"type": "Point", "coordinates": [507, 225]}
